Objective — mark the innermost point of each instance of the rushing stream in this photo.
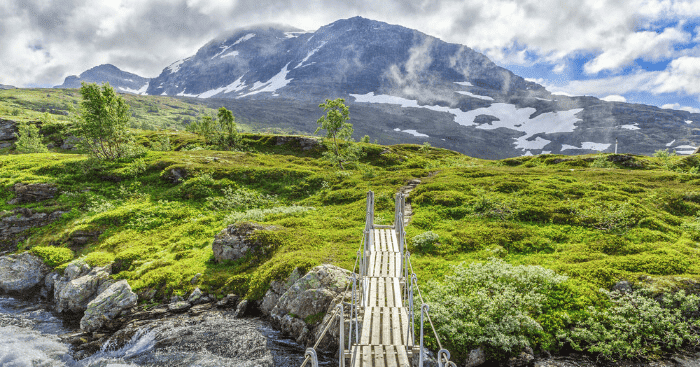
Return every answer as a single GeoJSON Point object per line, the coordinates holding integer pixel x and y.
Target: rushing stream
{"type": "Point", "coordinates": [29, 336]}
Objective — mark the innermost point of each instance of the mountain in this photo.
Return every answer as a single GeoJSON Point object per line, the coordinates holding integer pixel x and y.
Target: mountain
{"type": "Point", "coordinates": [405, 86]}
{"type": "Point", "coordinates": [3, 86]}
{"type": "Point", "coordinates": [121, 80]}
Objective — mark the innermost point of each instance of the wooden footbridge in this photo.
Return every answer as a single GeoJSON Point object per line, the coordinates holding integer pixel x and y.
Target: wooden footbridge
{"type": "Point", "coordinates": [381, 320]}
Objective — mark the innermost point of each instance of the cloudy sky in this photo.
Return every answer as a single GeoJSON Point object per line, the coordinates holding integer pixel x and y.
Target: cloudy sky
{"type": "Point", "coordinates": [641, 51]}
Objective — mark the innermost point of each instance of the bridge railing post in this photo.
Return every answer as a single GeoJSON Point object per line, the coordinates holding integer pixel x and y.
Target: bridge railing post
{"type": "Point", "coordinates": [423, 310]}
{"type": "Point", "coordinates": [341, 335]}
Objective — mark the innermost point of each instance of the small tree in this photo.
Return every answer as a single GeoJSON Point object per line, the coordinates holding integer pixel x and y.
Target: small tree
{"type": "Point", "coordinates": [102, 124]}
{"type": "Point", "coordinates": [29, 139]}
{"type": "Point", "coordinates": [335, 123]}
{"type": "Point", "coordinates": [228, 134]}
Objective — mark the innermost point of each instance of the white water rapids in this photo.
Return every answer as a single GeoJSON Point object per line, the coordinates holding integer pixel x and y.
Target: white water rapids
{"type": "Point", "coordinates": [29, 337]}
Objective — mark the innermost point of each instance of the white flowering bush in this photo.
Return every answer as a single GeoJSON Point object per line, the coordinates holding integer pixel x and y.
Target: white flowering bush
{"type": "Point", "coordinates": [492, 304]}
{"type": "Point", "coordinates": [637, 326]}
{"type": "Point", "coordinates": [425, 240]}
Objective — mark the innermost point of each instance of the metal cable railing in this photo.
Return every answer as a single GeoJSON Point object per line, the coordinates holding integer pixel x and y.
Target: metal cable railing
{"type": "Point", "coordinates": [409, 282]}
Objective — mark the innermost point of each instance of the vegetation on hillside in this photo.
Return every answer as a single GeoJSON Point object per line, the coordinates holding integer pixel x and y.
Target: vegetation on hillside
{"type": "Point", "coordinates": [517, 253]}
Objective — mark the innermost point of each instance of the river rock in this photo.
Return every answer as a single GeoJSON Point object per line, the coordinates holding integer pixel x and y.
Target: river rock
{"type": "Point", "coordinates": [307, 299]}
{"type": "Point", "coordinates": [179, 306]}
{"type": "Point", "coordinates": [197, 297]}
{"type": "Point", "coordinates": [277, 289]}
{"type": "Point", "coordinates": [21, 272]}
{"type": "Point", "coordinates": [477, 357]}
{"type": "Point", "coordinates": [236, 240]}
{"type": "Point", "coordinates": [523, 359]}
{"type": "Point", "coordinates": [74, 294]}
{"type": "Point", "coordinates": [107, 305]}
{"type": "Point", "coordinates": [31, 193]}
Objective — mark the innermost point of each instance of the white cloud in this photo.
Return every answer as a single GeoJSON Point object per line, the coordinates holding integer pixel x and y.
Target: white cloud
{"type": "Point", "coordinates": [676, 106]}
{"type": "Point", "coordinates": [618, 53]}
{"type": "Point", "coordinates": [614, 98]}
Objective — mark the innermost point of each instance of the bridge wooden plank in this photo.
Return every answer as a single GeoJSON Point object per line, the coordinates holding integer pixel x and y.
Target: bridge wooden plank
{"type": "Point", "coordinates": [396, 330]}
{"type": "Point", "coordinates": [397, 292]}
{"type": "Point", "coordinates": [367, 356]}
{"type": "Point", "coordinates": [373, 292]}
{"type": "Point", "coordinates": [379, 356]}
{"type": "Point", "coordinates": [386, 327]}
{"type": "Point", "coordinates": [402, 357]}
{"type": "Point", "coordinates": [376, 327]}
{"type": "Point", "coordinates": [394, 242]}
{"type": "Point", "coordinates": [391, 357]}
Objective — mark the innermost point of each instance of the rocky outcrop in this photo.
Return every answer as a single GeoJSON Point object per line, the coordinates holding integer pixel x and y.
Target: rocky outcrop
{"type": "Point", "coordinates": [31, 193]}
{"type": "Point", "coordinates": [300, 311]}
{"type": "Point", "coordinates": [15, 224]}
{"type": "Point", "coordinates": [304, 142]}
{"type": "Point", "coordinates": [8, 133]}
{"type": "Point", "coordinates": [238, 240]}
{"type": "Point", "coordinates": [277, 289]}
{"type": "Point", "coordinates": [79, 286]}
{"type": "Point", "coordinates": [21, 272]}
{"type": "Point", "coordinates": [107, 305]}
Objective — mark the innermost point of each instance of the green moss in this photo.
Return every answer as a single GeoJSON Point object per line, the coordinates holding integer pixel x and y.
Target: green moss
{"type": "Point", "coordinates": [53, 256]}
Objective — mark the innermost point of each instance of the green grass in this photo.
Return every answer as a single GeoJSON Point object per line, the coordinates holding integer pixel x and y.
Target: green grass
{"type": "Point", "coordinates": [596, 219]}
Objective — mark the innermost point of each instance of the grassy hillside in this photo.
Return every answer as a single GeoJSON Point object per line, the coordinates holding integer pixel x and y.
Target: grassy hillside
{"type": "Point", "coordinates": [147, 112]}
{"type": "Point", "coordinates": [530, 245]}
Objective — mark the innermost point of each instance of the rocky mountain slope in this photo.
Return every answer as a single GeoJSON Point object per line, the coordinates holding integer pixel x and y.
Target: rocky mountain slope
{"type": "Point", "coordinates": [121, 80]}
{"type": "Point", "coordinates": [406, 86]}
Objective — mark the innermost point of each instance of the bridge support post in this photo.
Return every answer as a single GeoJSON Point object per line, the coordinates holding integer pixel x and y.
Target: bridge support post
{"type": "Point", "coordinates": [423, 310]}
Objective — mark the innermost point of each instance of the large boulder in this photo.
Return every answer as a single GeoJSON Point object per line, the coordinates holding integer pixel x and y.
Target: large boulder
{"type": "Point", "coordinates": [79, 286]}
{"type": "Point", "coordinates": [108, 305]}
{"type": "Point", "coordinates": [31, 193]}
{"type": "Point", "coordinates": [277, 289]}
{"type": "Point", "coordinates": [238, 240]}
{"type": "Point", "coordinates": [8, 133]}
{"type": "Point", "coordinates": [21, 272]}
{"type": "Point", "coordinates": [300, 310]}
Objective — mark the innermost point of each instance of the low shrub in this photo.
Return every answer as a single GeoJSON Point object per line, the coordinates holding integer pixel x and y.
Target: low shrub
{"type": "Point", "coordinates": [53, 256]}
{"type": "Point", "coordinates": [492, 304]}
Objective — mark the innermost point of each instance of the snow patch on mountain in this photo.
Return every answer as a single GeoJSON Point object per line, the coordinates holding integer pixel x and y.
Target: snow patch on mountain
{"type": "Point", "coordinates": [508, 116]}
{"type": "Point", "coordinates": [276, 82]}
{"type": "Point", "coordinates": [175, 67]}
{"type": "Point", "coordinates": [140, 91]}
{"type": "Point", "coordinates": [230, 54]}
{"type": "Point", "coordinates": [236, 86]}
{"type": "Point", "coordinates": [412, 132]}
{"type": "Point", "coordinates": [587, 145]}
{"type": "Point", "coordinates": [311, 53]}
{"type": "Point", "coordinates": [671, 143]}
{"type": "Point", "coordinates": [466, 84]}
{"type": "Point", "coordinates": [485, 98]}
{"type": "Point", "coordinates": [634, 126]}
{"type": "Point", "coordinates": [685, 149]}
{"type": "Point", "coordinates": [244, 38]}
{"type": "Point", "coordinates": [688, 122]}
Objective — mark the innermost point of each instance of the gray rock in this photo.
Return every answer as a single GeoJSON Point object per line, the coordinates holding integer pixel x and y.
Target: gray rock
{"type": "Point", "coordinates": [197, 297]}
{"type": "Point", "coordinates": [242, 308]}
{"type": "Point", "coordinates": [305, 142]}
{"type": "Point", "coordinates": [73, 295]}
{"type": "Point", "coordinates": [47, 290]}
{"type": "Point", "coordinates": [107, 305]}
{"type": "Point", "coordinates": [31, 193]}
{"type": "Point", "coordinates": [195, 278]}
{"type": "Point", "coordinates": [8, 130]}
{"type": "Point", "coordinates": [622, 287]}
{"type": "Point", "coordinates": [176, 298]}
{"type": "Point", "coordinates": [15, 226]}
{"type": "Point", "coordinates": [21, 272]}
{"type": "Point", "coordinates": [229, 301]}
{"type": "Point", "coordinates": [522, 359]}
{"type": "Point", "coordinates": [235, 241]}
{"type": "Point", "coordinates": [314, 294]}
{"type": "Point", "coordinates": [179, 306]}
{"type": "Point", "coordinates": [477, 357]}
{"type": "Point", "coordinates": [277, 289]}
